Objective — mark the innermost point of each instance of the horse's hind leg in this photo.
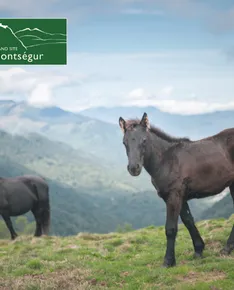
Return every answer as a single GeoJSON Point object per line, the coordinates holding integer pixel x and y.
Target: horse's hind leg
{"type": "Point", "coordinates": [230, 242]}
{"type": "Point", "coordinates": [8, 222]}
{"type": "Point", "coordinates": [188, 221]}
{"type": "Point", "coordinates": [36, 213]}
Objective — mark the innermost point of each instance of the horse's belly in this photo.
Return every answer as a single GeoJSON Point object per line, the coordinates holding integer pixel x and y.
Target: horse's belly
{"type": "Point", "coordinates": [20, 202]}
{"type": "Point", "coordinates": [192, 195]}
{"type": "Point", "coordinates": [209, 185]}
{"type": "Point", "coordinates": [207, 188]}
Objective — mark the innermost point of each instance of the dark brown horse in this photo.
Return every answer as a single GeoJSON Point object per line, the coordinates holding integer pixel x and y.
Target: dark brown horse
{"type": "Point", "coordinates": [181, 170]}
{"type": "Point", "coordinates": [20, 194]}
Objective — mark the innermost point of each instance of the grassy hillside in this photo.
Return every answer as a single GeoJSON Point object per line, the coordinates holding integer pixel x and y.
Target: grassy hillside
{"type": "Point", "coordinates": [129, 260]}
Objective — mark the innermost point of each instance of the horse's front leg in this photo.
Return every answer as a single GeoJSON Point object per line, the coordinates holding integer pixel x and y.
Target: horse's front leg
{"type": "Point", "coordinates": [9, 225]}
{"type": "Point", "coordinates": [173, 203]}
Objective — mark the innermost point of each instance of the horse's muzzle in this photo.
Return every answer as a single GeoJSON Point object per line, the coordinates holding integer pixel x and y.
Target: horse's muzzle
{"type": "Point", "coordinates": [134, 170]}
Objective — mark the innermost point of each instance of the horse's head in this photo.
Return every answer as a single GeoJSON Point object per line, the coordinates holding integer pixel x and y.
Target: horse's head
{"type": "Point", "coordinates": [134, 140]}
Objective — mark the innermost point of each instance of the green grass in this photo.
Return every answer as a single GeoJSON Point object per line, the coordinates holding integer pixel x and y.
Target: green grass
{"type": "Point", "coordinates": [117, 261]}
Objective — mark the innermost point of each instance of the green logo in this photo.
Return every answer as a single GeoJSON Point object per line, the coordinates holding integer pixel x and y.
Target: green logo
{"type": "Point", "coordinates": [33, 41]}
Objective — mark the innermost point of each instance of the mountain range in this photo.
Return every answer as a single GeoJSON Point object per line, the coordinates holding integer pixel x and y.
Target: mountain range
{"type": "Point", "coordinates": [96, 131]}
{"type": "Point", "coordinates": [193, 126]}
{"type": "Point", "coordinates": [83, 152]}
{"type": "Point", "coordinates": [80, 203]}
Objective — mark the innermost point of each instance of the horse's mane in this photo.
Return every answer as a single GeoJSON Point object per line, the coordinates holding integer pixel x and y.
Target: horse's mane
{"type": "Point", "coordinates": [130, 124]}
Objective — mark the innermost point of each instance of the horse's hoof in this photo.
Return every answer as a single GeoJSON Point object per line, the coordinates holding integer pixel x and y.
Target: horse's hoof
{"type": "Point", "coordinates": [169, 264]}
{"type": "Point", "coordinates": [197, 256]}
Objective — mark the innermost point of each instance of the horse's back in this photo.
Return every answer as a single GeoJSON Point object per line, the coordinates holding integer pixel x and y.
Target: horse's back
{"type": "Point", "coordinates": [18, 196]}
{"type": "Point", "coordinates": [207, 165]}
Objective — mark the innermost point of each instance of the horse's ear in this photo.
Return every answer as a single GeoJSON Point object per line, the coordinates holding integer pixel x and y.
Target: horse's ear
{"type": "Point", "coordinates": [122, 124]}
{"type": "Point", "coordinates": [145, 121]}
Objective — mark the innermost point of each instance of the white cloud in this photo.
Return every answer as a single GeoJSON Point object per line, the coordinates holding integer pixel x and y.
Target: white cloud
{"type": "Point", "coordinates": [185, 82]}
{"type": "Point", "coordinates": [141, 94]}
{"type": "Point", "coordinates": [37, 87]}
{"type": "Point", "coordinates": [182, 81]}
{"type": "Point", "coordinates": [163, 100]}
{"type": "Point", "coordinates": [185, 107]}
{"type": "Point", "coordinates": [15, 80]}
{"type": "Point", "coordinates": [41, 95]}
{"type": "Point", "coordinates": [166, 91]}
{"type": "Point", "coordinates": [138, 94]}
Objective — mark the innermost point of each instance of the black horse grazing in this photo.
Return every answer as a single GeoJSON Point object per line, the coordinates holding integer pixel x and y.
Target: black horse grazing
{"type": "Point", "coordinates": [20, 194]}
{"type": "Point", "coordinates": [181, 170]}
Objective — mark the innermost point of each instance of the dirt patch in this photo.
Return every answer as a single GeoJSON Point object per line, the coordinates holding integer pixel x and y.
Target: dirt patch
{"type": "Point", "coordinates": [96, 237]}
{"type": "Point", "coordinates": [60, 280]}
{"type": "Point", "coordinates": [214, 245]}
{"type": "Point", "coordinates": [125, 247]}
{"type": "Point", "coordinates": [193, 277]}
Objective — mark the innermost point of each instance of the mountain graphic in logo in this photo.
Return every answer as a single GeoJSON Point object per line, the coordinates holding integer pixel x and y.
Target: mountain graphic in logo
{"type": "Point", "coordinates": [8, 38]}
{"type": "Point", "coordinates": [33, 37]}
{"type": "Point", "coordinates": [34, 41]}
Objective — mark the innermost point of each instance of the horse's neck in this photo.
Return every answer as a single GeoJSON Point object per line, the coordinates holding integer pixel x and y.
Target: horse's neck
{"type": "Point", "coordinates": [154, 153]}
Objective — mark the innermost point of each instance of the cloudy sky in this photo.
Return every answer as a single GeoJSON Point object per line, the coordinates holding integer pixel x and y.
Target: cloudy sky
{"type": "Point", "coordinates": [177, 55]}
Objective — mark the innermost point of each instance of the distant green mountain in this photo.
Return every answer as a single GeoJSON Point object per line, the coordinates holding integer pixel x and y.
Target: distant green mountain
{"type": "Point", "coordinates": [99, 139]}
{"type": "Point", "coordinates": [72, 210]}
{"type": "Point", "coordinates": [76, 130]}
{"type": "Point", "coordinates": [61, 162]}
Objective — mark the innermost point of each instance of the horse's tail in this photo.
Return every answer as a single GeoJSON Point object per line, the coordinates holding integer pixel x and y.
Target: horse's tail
{"type": "Point", "coordinates": [45, 217]}
{"type": "Point", "coordinates": [44, 205]}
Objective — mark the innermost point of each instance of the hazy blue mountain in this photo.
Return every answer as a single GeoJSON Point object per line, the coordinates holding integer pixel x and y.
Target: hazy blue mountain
{"type": "Point", "coordinates": [63, 163]}
{"type": "Point", "coordinates": [96, 137]}
{"type": "Point", "coordinates": [96, 131]}
{"type": "Point", "coordinates": [194, 126]}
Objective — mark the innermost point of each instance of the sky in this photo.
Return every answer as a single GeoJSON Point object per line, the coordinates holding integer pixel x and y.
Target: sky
{"type": "Point", "coordinates": [176, 55]}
